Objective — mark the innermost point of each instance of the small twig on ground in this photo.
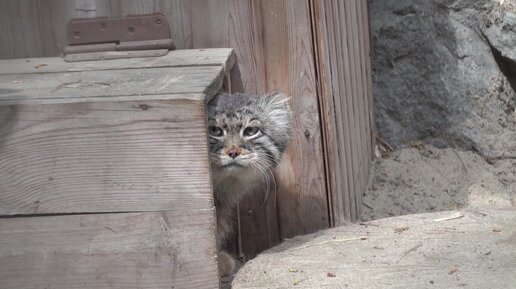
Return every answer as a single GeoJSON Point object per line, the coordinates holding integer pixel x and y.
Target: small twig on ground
{"type": "Point", "coordinates": [453, 269]}
{"type": "Point", "coordinates": [367, 205]}
{"type": "Point", "coordinates": [452, 217]}
{"type": "Point", "coordinates": [410, 250]}
{"type": "Point", "coordinates": [463, 164]}
{"type": "Point", "coordinates": [383, 142]}
{"type": "Point", "coordinates": [401, 229]}
{"type": "Point", "coordinates": [327, 242]}
{"type": "Point", "coordinates": [368, 224]}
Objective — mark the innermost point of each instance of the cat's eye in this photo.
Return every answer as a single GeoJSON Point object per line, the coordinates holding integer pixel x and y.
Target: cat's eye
{"type": "Point", "coordinates": [215, 131]}
{"type": "Point", "coordinates": [250, 131]}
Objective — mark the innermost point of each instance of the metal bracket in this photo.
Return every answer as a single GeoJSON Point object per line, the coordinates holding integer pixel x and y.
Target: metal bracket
{"type": "Point", "coordinates": [104, 38]}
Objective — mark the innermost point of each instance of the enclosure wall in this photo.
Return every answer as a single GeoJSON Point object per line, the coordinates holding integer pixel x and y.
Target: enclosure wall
{"type": "Point", "coordinates": [316, 51]}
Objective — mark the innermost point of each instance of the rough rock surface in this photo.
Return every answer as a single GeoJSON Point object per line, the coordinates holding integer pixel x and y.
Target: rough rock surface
{"type": "Point", "coordinates": [441, 73]}
{"type": "Point", "coordinates": [499, 27]}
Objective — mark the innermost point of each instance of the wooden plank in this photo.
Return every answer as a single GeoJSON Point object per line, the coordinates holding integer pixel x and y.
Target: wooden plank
{"type": "Point", "coordinates": [95, 85]}
{"type": "Point", "coordinates": [36, 28]}
{"type": "Point", "coordinates": [367, 20]}
{"type": "Point", "coordinates": [258, 212]}
{"type": "Point", "coordinates": [236, 24]}
{"type": "Point", "coordinates": [346, 105]}
{"type": "Point", "coordinates": [178, 58]}
{"type": "Point", "coordinates": [363, 34]}
{"type": "Point", "coordinates": [353, 104]}
{"type": "Point", "coordinates": [340, 83]}
{"type": "Point", "coordinates": [112, 156]}
{"type": "Point", "coordinates": [359, 116]}
{"type": "Point", "coordinates": [301, 174]}
{"type": "Point", "coordinates": [348, 108]}
{"type": "Point", "coordinates": [175, 11]}
{"type": "Point", "coordinates": [345, 102]}
{"type": "Point", "coordinates": [127, 250]}
{"type": "Point", "coordinates": [324, 41]}
{"type": "Point", "coordinates": [30, 37]}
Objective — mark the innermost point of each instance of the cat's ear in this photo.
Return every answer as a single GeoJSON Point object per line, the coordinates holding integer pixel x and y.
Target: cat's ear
{"type": "Point", "coordinates": [277, 99]}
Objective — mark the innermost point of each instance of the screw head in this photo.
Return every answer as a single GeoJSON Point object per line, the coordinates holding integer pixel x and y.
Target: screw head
{"type": "Point", "coordinates": [103, 25]}
{"type": "Point", "coordinates": [77, 34]}
{"type": "Point", "coordinates": [130, 29]}
{"type": "Point", "coordinates": [158, 21]}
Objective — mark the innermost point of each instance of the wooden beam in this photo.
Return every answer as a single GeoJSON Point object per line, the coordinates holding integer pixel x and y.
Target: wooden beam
{"type": "Point", "coordinates": [342, 47]}
{"type": "Point", "coordinates": [178, 58]}
{"type": "Point", "coordinates": [107, 156]}
{"type": "Point", "coordinates": [127, 250]}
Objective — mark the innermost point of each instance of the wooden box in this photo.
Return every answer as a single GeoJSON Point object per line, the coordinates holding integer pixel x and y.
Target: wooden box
{"type": "Point", "coordinates": [104, 172]}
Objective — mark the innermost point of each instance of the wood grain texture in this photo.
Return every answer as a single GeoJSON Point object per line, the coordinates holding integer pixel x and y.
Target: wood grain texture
{"type": "Point", "coordinates": [128, 137]}
{"type": "Point", "coordinates": [342, 44]}
{"type": "Point", "coordinates": [94, 85]}
{"type": "Point", "coordinates": [35, 28]}
{"type": "Point", "coordinates": [223, 57]}
{"type": "Point", "coordinates": [126, 250]}
{"type": "Point", "coordinates": [112, 156]}
{"type": "Point", "coordinates": [336, 179]}
{"type": "Point", "coordinates": [302, 199]}
{"type": "Point", "coordinates": [277, 47]}
{"type": "Point", "coordinates": [260, 223]}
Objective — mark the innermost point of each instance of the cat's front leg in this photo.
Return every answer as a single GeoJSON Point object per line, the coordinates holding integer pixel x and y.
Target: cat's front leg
{"type": "Point", "coordinates": [226, 263]}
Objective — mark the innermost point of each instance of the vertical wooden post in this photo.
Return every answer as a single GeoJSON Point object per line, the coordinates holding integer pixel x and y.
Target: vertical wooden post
{"type": "Point", "coordinates": [343, 68]}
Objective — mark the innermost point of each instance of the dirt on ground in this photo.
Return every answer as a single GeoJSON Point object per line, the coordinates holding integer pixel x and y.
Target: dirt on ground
{"type": "Point", "coordinates": [470, 248]}
{"type": "Point", "coordinates": [467, 242]}
{"type": "Point", "coordinates": [421, 178]}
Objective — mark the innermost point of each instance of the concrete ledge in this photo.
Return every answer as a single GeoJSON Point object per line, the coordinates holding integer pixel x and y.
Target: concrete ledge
{"type": "Point", "coordinates": [453, 249]}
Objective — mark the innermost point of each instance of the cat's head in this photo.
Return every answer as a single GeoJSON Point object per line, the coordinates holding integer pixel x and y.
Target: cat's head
{"type": "Point", "coordinates": [248, 131]}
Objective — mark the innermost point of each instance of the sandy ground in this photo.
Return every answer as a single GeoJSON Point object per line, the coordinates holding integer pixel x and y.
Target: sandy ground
{"type": "Point", "coordinates": [423, 178]}
{"type": "Point", "coordinates": [472, 247]}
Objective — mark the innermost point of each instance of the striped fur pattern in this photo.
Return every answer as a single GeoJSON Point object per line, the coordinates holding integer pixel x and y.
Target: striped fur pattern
{"type": "Point", "coordinates": [248, 135]}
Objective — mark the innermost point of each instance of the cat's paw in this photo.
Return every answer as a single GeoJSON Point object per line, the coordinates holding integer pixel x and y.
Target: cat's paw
{"type": "Point", "coordinates": [226, 263]}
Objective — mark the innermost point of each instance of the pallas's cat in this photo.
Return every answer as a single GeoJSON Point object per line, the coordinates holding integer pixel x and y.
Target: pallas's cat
{"type": "Point", "coordinates": [248, 135]}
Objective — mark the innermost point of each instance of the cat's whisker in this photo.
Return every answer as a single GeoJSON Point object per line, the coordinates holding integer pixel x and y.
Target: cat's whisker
{"type": "Point", "coordinates": [264, 174]}
{"type": "Point", "coordinates": [270, 176]}
{"type": "Point", "coordinates": [273, 179]}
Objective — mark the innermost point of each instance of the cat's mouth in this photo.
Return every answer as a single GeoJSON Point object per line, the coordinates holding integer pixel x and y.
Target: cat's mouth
{"type": "Point", "coordinates": [232, 165]}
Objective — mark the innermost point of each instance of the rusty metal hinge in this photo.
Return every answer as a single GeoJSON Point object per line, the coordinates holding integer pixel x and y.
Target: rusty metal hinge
{"type": "Point", "coordinates": [128, 37]}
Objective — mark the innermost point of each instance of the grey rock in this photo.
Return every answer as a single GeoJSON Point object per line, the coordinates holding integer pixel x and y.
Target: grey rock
{"type": "Point", "coordinates": [436, 79]}
{"type": "Point", "coordinates": [499, 27]}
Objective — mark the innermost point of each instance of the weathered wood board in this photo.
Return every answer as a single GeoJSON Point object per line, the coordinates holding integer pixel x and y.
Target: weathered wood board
{"type": "Point", "coordinates": [179, 58]}
{"type": "Point", "coordinates": [279, 45]}
{"type": "Point", "coordinates": [98, 141]}
{"type": "Point", "coordinates": [104, 156]}
{"type": "Point", "coordinates": [104, 174]}
{"type": "Point", "coordinates": [458, 249]}
{"type": "Point", "coordinates": [342, 42]}
{"type": "Point", "coordinates": [126, 250]}
{"type": "Point", "coordinates": [98, 85]}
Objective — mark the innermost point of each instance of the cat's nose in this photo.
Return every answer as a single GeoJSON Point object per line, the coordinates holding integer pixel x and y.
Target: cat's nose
{"type": "Point", "coordinates": [233, 153]}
